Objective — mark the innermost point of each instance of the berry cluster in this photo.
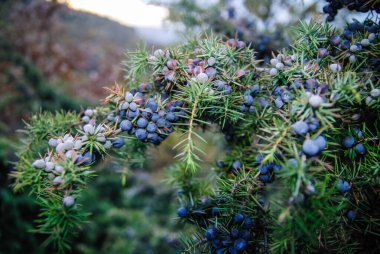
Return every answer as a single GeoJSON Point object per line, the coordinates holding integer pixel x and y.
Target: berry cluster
{"type": "Point", "coordinates": [353, 5]}
{"type": "Point", "coordinates": [72, 155]}
{"type": "Point", "coordinates": [233, 237]}
{"type": "Point", "coordinates": [280, 62]}
{"type": "Point", "coordinates": [354, 142]}
{"type": "Point", "coordinates": [248, 98]}
{"type": "Point", "coordinates": [234, 240]}
{"type": "Point", "coordinates": [149, 120]}
{"type": "Point", "coordinates": [267, 170]}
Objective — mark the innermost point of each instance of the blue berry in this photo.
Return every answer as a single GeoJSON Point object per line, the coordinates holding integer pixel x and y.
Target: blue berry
{"type": "Point", "coordinates": [89, 158]}
{"type": "Point", "coordinates": [236, 165]}
{"type": "Point", "coordinates": [255, 89]}
{"type": "Point", "coordinates": [335, 40]}
{"type": "Point", "coordinates": [245, 234]}
{"type": "Point", "coordinates": [360, 149]}
{"type": "Point", "coordinates": [151, 128]}
{"type": "Point", "coordinates": [153, 138]}
{"type": "Point", "coordinates": [293, 162]}
{"type": "Point", "coordinates": [170, 116]}
{"type": "Point", "coordinates": [123, 114]}
{"type": "Point", "coordinates": [86, 158]}
{"type": "Point", "coordinates": [215, 211]}
{"type": "Point", "coordinates": [133, 106]}
{"type": "Point", "coordinates": [279, 103]}
{"type": "Point", "coordinates": [132, 114]}
{"type": "Point", "coordinates": [240, 244]}
{"type": "Point", "coordinates": [243, 108]}
{"type": "Point", "coordinates": [161, 123]}
{"type": "Point", "coordinates": [235, 233]}
{"type": "Point", "coordinates": [358, 133]}
{"type": "Point", "coordinates": [117, 143]}
{"type": "Point", "coordinates": [265, 178]}
{"type": "Point", "coordinates": [264, 168]}
{"type": "Point", "coordinates": [227, 89]}
{"type": "Point", "coordinates": [276, 167]}
{"type": "Point", "coordinates": [351, 215]}
{"type": "Point", "coordinates": [286, 96]}
{"type": "Point", "coordinates": [248, 223]}
{"type": "Point", "coordinates": [141, 134]}
{"type": "Point", "coordinates": [238, 217]}
{"type": "Point", "coordinates": [348, 142]}
{"type": "Point", "coordinates": [151, 104]}
{"type": "Point", "coordinates": [211, 233]}
{"type": "Point", "coordinates": [343, 186]}
{"type": "Point", "coordinates": [258, 158]}
{"type": "Point", "coordinates": [321, 142]}
{"type": "Point", "coordinates": [300, 127]}
{"type": "Point", "coordinates": [142, 122]}
{"type": "Point", "coordinates": [147, 113]}
{"type": "Point", "coordinates": [313, 123]}
{"type": "Point", "coordinates": [248, 100]}
{"type": "Point", "coordinates": [126, 125]}
{"type": "Point", "coordinates": [128, 97]}
{"type": "Point", "coordinates": [182, 212]}
{"type": "Point", "coordinates": [310, 147]}
{"type": "Point", "coordinates": [155, 117]}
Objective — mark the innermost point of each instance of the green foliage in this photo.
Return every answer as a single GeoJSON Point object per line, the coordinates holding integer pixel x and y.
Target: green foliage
{"type": "Point", "coordinates": [288, 192]}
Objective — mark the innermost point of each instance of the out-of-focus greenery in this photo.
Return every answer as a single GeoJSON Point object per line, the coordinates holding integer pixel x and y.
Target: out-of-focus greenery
{"type": "Point", "coordinates": [45, 60]}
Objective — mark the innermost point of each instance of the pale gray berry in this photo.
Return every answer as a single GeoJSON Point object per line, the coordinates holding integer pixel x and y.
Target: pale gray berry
{"type": "Point", "coordinates": [158, 53]}
{"type": "Point", "coordinates": [335, 67]}
{"type": "Point", "coordinates": [57, 180]}
{"type": "Point", "coordinates": [128, 97]}
{"type": "Point", "coordinates": [84, 138]}
{"type": "Point", "coordinates": [315, 101]}
{"type": "Point", "coordinates": [59, 168]}
{"type": "Point", "coordinates": [273, 72]}
{"type": "Point", "coordinates": [67, 145]}
{"type": "Point", "coordinates": [60, 148]}
{"type": "Point", "coordinates": [49, 166]}
{"type": "Point", "coordinates": [355, 117]}
{"type": "Point", "coordinates": [100, 138]}
{"type": "Point", "coordinates": [53, 142]}
{"type": "Point", "coordinates": [211, 61]}
{"type": "Point", "coordinates": [375, 92]}
{"type": "Point", "coordinates": [78, 144]}
{"type": "Point", "coordinates": [39, 163]}
{"type": "Point", "coordinates": [202, 77]}
{"type": "Point", "coordinates": [108, 144]}
{"type": "Point", "coordinates": [110, 117]}
{"type": "Point", "coordinates": [354, 48]}
{"type": "Point", "coordinates": [86, 119]}
{"type": "Point", "coordinates": [274, 61]}
{"type": "Point", "coordinates": [371, 37]}
{"type": "Point", "coordinates": [89, 112]}
{"type": "Point", "coordinates": [69, 154]}
{"type": "Point", "coordinates": [365, 42]}
{"type": "Point", "coordinates": [280, 57]}
{"type": "Point", "coordinates": [68, 201]}
{"type": "Point", "coordinates": [279, 66]}
{"type": "Point", "coordinates": [89, 128]}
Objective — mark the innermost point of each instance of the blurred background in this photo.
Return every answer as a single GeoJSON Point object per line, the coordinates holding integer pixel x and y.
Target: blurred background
{"type": "Point", "coordinates": [61, 54]}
